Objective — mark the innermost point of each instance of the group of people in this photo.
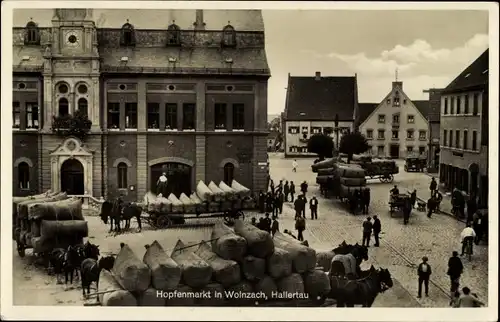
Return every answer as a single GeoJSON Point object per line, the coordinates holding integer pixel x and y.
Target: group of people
{"type": "Point", "coordinates": [271, 225]}
{"type": "Point", "coordinates": [370, 227]}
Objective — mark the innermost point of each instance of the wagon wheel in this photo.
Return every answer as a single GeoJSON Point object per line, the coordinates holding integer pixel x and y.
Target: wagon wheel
{"type": "Point", "coordinates": [163, 222]}
{"type": "Point", "coordinates": [390, 177]}
{"type": "Point", "coordinates": [21, 249]}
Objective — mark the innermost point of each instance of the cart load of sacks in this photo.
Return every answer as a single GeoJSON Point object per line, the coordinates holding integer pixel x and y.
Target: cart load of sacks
{"type": "Point", "coordinates": [207, 198]}
{"type": "Point", "coordinates": [372, 166]}
{"type": "Point", "coordinates": [47, 221]}
{"type": "Point", "coordinates": [237, 266]}
{"type": "Point", "coordinates": [348, 177]}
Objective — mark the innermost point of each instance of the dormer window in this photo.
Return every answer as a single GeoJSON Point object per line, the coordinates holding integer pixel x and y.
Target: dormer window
{"type": "Point", "coordinates": [31, 34]}
{"type": "Point", "coordinates": [173, 35]}
{"type": "Point", "coordinates": [228, 36]}
{"type": "Point", "coordinates": [128, 35]}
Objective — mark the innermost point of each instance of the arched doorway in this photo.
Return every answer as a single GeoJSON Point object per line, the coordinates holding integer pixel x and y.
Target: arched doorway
{"type": "Point", "coordinates": [72, 179]}
{"type": "Point", "coordinates": [178, 175]}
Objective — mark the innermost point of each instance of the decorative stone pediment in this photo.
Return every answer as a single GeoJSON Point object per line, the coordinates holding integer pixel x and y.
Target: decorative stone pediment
{"type": "Point", "coordinates": [72, 147]}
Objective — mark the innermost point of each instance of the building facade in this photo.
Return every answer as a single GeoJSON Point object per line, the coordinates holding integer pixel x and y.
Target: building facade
{"type": "Point", "coordinates": [464, 131]}
{"type": "Point", "coordinates": [397, 127]}
{"type": "Point", "coordinates": [434, 118]}
{"type": "Point", "coordinates": [312, 104]}
{"type": "Point", "coordinates": [188, 101]}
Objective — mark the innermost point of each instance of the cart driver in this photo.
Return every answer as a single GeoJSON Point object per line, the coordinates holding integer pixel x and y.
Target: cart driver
{"type": "Point", "coordinates": [395, 190]}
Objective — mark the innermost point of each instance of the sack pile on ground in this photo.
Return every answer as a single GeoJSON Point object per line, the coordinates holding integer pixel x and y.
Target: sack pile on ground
{"type": "Point", "coordinates": [206, 198]}
{"type": "Point", "coordinates": [48, 221]}
{"type": "Point", "coordinates": [244, 259]}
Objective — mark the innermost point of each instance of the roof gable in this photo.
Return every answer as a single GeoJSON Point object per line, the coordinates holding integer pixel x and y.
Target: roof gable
{"type": "Point", "coordinates": [476, 74]}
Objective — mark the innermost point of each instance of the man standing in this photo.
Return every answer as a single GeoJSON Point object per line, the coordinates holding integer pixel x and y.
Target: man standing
{"type": "Point", "coordinates": [286, 191]}
{"type": "Point", "coordinates": [300, 225]}
{"type": "Point", "coordinates": [269, 202]}
{"type": "Point", "coordinates": [424, 272]}
{"type": "Point", "coordinates": [455, 269]}
{"type": "Point", "coordinates": [313, 204]}
{"type": "Point", "coordinates": [279, 188]}
{"type": "Point", "coordinates": [303, 205]}
{"type": "Point", "coordinates": [292, 190]}
{"type": "Point", "coordinates": [433, 186]}
{"type": "Point", "coordinates": [431, 206]}
{"type": "Point", "coordinates": [267, 223]}
{"type": "Point", "coordinates": [377, 227]}
{"type": "Point", "coordinates": [407, 208]}
{"type": "Point", "coordinates": [161, 185]}
{"type": "Point", "coordinates": [271, 186]}
{"type": "Point", "coordinates": [262, 202]}
{"type": "Point", "coordinates": [294, 165]}
{"type": "Point", "coordinates": [471, 208]}
{"type": "Point", "coordinates": [477, 224]}
{"type": "Point", "coordinates": [297, 206]}
{"type": "Point", "coordinates": [303, 188]}
{"type": "Point", "coordinates": [280, 199]}
{"type": "Point", "coordinates": [366, 200]}
{"type": "Point", "coordinates": [367, 231]}
{"type": "Point", "coordinates": [276, 205]}
{"type": "Point", "coordinates": [413, 197]}
{"type": "Point", "coordinates": [275, 226]}
{"type": "Point", "coordinates": [467, 236]}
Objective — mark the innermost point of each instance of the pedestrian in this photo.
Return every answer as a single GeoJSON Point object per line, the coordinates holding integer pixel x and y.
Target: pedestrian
{"type": "Point", "coordinates": [300, 226]}
{"type": "Point", "coordinates": [297, 206]}
{"type": "Point", "coordinates": [275, 226]}
{"type": "Point", "coordinates": [286, 191]}
{"type": "Point", "coordinates": [366, 200]}
{"type": "Point", "coordinates": [431, 206]}
{"type": "Point", "coordinates": [467, 236]}
{"type": "Point", "coordinates": [439, 197]}
{"type": "Point", "coordinates": [407, 208]}
{"type": "Point", "coordinates": [303, 187]}
{"type": "Point", "coordinates": [267, 223]}
{"type": "Point", "coordinates": [377, 228]}
{"type": "Point", "coordinates": [161, 185]}
{"type": "Point", "coordinates": [455, 270]}
{"type": "Point", "coordinates": [471, 208]}
{"type": "Point", "coordinates": [262, 202]}
{"type": "Point", "coordinates": [271, 185]}
{"type": "Point", "coordinates": [292, 190]}
{"type": "Point", "coordinates": [294, 165]}
{"type": "Point", "coordinates": [413, 198]}
{"type": "Point", "coordinates": [281, 199]}
{"type": "Point", "coordinates": [477, 225]}
{"type": "Point", "coordinates": [433, 186]}
{"type": "Point", "coordinates": [303, 205]}
{"type": "Point", "coordinates": [468, 300]}
{"type": "Point", "coordinates": [424, 272]}
{"type": "Point", "coordinates": [279, 188]}
{"type": "Point", "coordinates": [313, 205]}
{"type": "Point", "coordinates": [261, 224]}
{"type": "Point", "coordinates": [269, 202]}
{"type": "Point", "coordinates": [367, 231]}
{"type": "Point", "coordinates": [254, 221]}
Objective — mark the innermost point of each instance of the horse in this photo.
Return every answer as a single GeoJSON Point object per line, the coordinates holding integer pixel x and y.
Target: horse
{"type": "Point", "coordinates": [66, 261]}
{"type": "Point", "coordinates": [91, 250]}
{"type": "Point", "coordinates": [350, 256]}
{"type": "Point", "coordinates": [363, 291]}
{"type": "Point", "coordinates": [117, 211]}
{"type": "Point", "coordinates": [91, 269]}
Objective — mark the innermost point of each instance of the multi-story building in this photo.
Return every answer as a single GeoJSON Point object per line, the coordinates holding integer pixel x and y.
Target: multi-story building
{"type": "Point", "coordinates": [397, 126]}
{"type": "Point", "coordinates": [189, 100]}
{"type": "Point", "coordinates": [434, 129]}
{"type": "Point", "coordinates": [312, 105]}
{"type": "Point", "coordinates": [464, 131]}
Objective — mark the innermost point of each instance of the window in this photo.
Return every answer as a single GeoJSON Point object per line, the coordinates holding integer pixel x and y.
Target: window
{"type": "Point", "coordinates": [380, 150]}
{"type": "Point", "coordinates": [422, 135]}
{"type": "Point", "coordinates": [450, 142]}
{"type": "Point", "coordinates": [83, 106]}
{"type": "Point", "coordinates": [409, 149]}
{"type": "Point", "coordinates": [465, 139]}
{"type": "Point", "coordinates": [395, 134]}
{"type": "Point", "coordinates": [328, 130]}
{"type": "Point", "coordinates": [421, 149]}
{"type": "Point", "coordinates": [293, 130]}
{"type": "Point", "coordinates": [153, 115]}
{"type": "Point", "coordinates": [445, 106]}
{"type": "Point", "coordinates": [220, 113]}
{"type": "Point", "coordinates": [474, 140]}
{"type": "Point", "coordinates": [63, 107]}
{"type": "Point", "coordinates": [113, 115]}
{"type": "Point", "coordinates": [388, 101]}
{"type": "Point", "coordinates": [171, 116]}
{"type": "Point", "coordinates": [32, 34]}
{"type": "Point", "coordinates": [369, 134]}
{"type": "Point", "coordinates": [238, 116]}
{"type": "Point", "coordinates": [411, 119]}
{"type": "Point", "coordinates": [316, 130]}
{"type": "Point", "coordinates": [396, 101]}
{"type": "Point", "coordinates": [305, 129]}
{"type": "Point", "coordinates": [122, 175]}
{"type": "Point", "coordinates": [31, 115]}
{"type": "Point", "coordinates": [16, 115]}
{"type": "Point", "coordinates": [475, 104]}
{"type": "Point", "coordinates": [466, 104]}
{"type": "Point", "coordinates": [131, 115]}
{"type": "Point", "coordinates": [381, 134]}
{"type": "Point", "coordinates": [229, 36]}
{"type": "Point", "coordinates": [128, 36]}
{"type": "Point", "coordinates": [23, 173]}
{"type": "Point", "coordinates": [409, 134]}
{"type": "Point", "coordinates": [381, 118]}
{"type": "Point", "coordinates": [452, 105]}
{"type": "Point", "coordinates": [228, 173]}
{"type": "Point", "coordinates": [457, 139]}
{"type": "Point", "coordinates": [445, 137]}
{"type": "Point", "coordinates": [459, 104]}
{"type": "Point", "coordinates": [188, 116]}
{"type": "Point", "coordinates": [173, 35]}
{"type": "Point", "coordinates": [395, 119]}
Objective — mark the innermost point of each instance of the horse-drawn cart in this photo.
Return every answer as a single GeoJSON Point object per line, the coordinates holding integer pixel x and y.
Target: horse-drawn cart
{"type": "Point", "coordinates": [398, 202]}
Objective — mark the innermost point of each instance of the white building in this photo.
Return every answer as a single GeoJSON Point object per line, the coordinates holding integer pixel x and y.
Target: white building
{"type": "Point", "coordinates": [397, 126]}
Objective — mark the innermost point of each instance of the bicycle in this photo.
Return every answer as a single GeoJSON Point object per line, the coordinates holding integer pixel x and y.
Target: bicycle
{"type": "Point", "coordinates": [468, 249]}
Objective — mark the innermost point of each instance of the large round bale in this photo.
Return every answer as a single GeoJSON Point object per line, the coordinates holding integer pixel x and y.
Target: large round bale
{"type": "Point", "coordinates": [45, 244]}
{"type": "Point", "coordinates": [291, 284]}
{"type": "Point", "coordinates": [353, 182]}
{"type": "Point", "coordinates": [324, 164]}
{"type": "Point", "coordinates": [326, 171]}
{"type": "Point", "coordinates": [130, 272]}
{"type": "Point", "coordinates": [22, 207]}
{"type": "Point", "coordinates": [64, 229]}
{"type": "Point", "coordinates": [183, 295]}
{"type": "Point", "coordinates": [227, 244]}
{"type": "Point", "coordinates": [324, 179]}
{"type": "Point", "coordinates": [266, 285]}
{"type": "Point", "coordinates": [195, 271]}
{"type": "Point", "coordinates": [151, 297]}
{"type": "Point", "coordinates": [259, 243]}
{"type": "Point", "coordinates": [112, 293]}
{"type": "Point", "coordinates": [68, 209]}
{"type": "Point", "coordinates": [35, 228]}
{"type": "Point", "coordinates": [240, 294]}
{"type": "Point", "coordinates": [279, 263]}
{"type": "Point", "coordinates": [324, 259]}
{"type": "Point", "coordinates": [226, 272]}
{"type": "Point", "coordinates": [211, 295]}
{"type": "Point", "coordinates": [350, 171]}
{"type": "Point", "coordinates": [303, 257]}
{"type": "Point", "coordinates": [253, 268]}
{"type": "Point", "coordinates": [316, 283]}
{"type": "Point", "coordinates": [165, 272]}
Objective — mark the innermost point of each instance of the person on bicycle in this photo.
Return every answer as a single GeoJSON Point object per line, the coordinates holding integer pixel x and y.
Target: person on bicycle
{"type": "Point", "coordinates": [467, 236]}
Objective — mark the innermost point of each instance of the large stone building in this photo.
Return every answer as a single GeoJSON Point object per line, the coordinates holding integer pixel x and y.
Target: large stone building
{"type": "Point", "coordinates": [189, 99]}
{"type": "Point", "coordinates": [464, 131]}
{"type": "Point", "coordinates": [312, 104]}
{"type": "Point", "coordinates": [397, 126]}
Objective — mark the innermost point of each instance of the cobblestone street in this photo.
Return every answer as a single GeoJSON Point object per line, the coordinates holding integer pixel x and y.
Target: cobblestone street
{"type": "Point", "coordinates": [402, 247]}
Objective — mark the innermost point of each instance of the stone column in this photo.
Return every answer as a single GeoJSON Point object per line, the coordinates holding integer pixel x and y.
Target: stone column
{"type": "Point", "coordinates": [141, 105]}
{"type": "Point", "coordinates": [142, 183]}
{"type": "Point", "coordinates": [200, 162]}
{"type": "Point", "coordinates": [48, 108]}
{"type": "Point", "coordinates": [95, 108]}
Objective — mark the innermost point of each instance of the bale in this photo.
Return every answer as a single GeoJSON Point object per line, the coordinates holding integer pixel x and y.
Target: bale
{"type": "Point", "coordinates": [228, 191]}
{"type": "Point", "coordinates": [195, 271]}
{"type": "Point", "coordinates": [119, 296]}
{"type": "Point", "coordinates": [177, 205]}
{"type": "Point", "coordinates": [130, 272]}
{"type": "Point", "coordinates": [64, 229]}
{"type": "Point", "coordinates": [324, 164]}
{"type": "Point", "coordinates": [211, 295]}
{"type": "Point", "coordinates": [227, 244]}
{"type": "Point", "coordinates": [235, 294]}
{"type": "Point", "coordinates": [203, 192]}
{"type": "Point", "coordinates": [350, 171]}
{"type": "Point", "coordinates": [326, 171]}
{"type": "Point", "coordinates": [253, 268]}
{"type": "Point", "coordinates": [346, 191]}
{"type": "Point", "coordinates": [240, 190]}
{"type": "Point", "coordinates": [22, 207]}
{"type": "Point", "coordinates": [279, 263]}
{"type": "Point", "coordinates": [214, 206]}
{"type": "Point", "coordinates": [150, 297]}
{"type": "Point", "coordinates": [217, 192]}
{"type": "Point", "coordinates": [200, 206]}
{"type": "Point", "coordinates": [303, 258]}
{"type": "Point", "coordinates": [225, 272]}
{"type": "Point", "coordinates": [259, 243]}
{"type": "Point", "coordinates": [324, 179]}
{"type": "Point", "coordinates": [69, 209]}
{"type": "Point", "coordinates": [165, 272]}
{"type": "Point", "coordinates": [353, 182]}
{"type": "Point", "coordinates": [267, 285]}
{"type": "Point", "coordinates": [291, 284]}
{"type": "Point", "coordinates": [35, 228]}
{"type": "Point", "coordinates": [189, 206]}
{"type": "Point", "coordinates": [324, 259]}
{"type": "Point", "coordinates": [183, 296]}
{"type": "Point", "coordinates": [248, 203]}
{"type": "Point", "coordinates": [316, 283]}
{"type": "Point", "coordinates": [46, 244]}
{"type": "Point", "coordinates": [164, 204]}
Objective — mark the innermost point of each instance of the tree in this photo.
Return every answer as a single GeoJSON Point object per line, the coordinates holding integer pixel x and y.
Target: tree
{"type": "Point", "coordinates": [353, 143]}
{"type": "Point", "coordinates": [322, 145]}
{"type": "Point", "coordinates": [71, 125]}
{"type": "Point", "coordinates": [274, 124]}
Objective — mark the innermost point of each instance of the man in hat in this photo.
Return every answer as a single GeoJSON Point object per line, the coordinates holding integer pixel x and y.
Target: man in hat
{"type": "Point", "coordinates": [424, 272]}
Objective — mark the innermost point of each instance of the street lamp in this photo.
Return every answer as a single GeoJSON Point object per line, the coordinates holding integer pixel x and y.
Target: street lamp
{"type": "Point", "coordinates": [336, 123]}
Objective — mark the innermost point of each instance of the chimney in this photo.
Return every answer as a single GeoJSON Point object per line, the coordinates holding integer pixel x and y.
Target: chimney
{"type": "Point", "coordinates": [318, 76]}
{"type": "Point", "coordinates": [199, 23]}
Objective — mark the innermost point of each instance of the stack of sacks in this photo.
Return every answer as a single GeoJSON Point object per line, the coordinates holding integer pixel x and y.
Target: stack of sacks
{"type": "Point", "coordinates": [189, 205]}
{"type": "Point", "coordinates": [16, 221]}
{"type": "Point", "coordinates": [218, 194]}
{"type": "Point", "coordinates": [177, 205]}
{"type": "Point", "coordinates": [351, 178]}
{"type": "Point", "coordinates": [228, 191]}
{"type": "Point", "coordinates": [203, 192]}
{"type": "Point", "coordinates": [379, 166]}
{"type": "Point", "coordinates": [200, 205]}
{"type": "Point", "coordinates": [323, 164]}
{"type": "Point", "coordinates": [240, 190]}
{"type": "Point", "coordinates": [157, 203]}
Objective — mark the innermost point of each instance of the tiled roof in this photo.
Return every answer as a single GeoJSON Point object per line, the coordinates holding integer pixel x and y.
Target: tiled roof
{"type": "Point", "coordinates": [423, 107]}
{"type": "Point", "coordinates": [311, 99]}
{"type": "Point", "coordinates": [476, 74]}
{"type": "Point", "coordinates": [364, 110]}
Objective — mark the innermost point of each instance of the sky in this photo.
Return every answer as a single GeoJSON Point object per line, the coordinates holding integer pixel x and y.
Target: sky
{"type": "Point", "coordinates": [428, 48]}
